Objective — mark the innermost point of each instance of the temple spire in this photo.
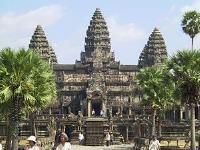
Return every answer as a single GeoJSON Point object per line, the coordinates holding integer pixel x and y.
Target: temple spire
{"type": "Point", "coordinates": [97, 38]}
{"type": "Point", "coordinates": [154, 52]}
{"type": "Point", "coordinates": [40, 45]}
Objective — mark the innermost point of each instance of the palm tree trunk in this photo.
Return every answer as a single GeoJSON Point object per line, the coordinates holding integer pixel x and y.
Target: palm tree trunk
{"type": "Point", "coordinates": [33, 126]}
{"type": "Point", "coordinates": [15, 123]}
{"type": "Point", "coordinates": [8, 133]}
{"type": "Point", "coordinates": [193, 142]}
{"type": "Point", "coordinates": [159, 127]}
{"type": "Point", "coordinates": [192, 43]}
{"type": "Point", "coordinates": [154, 122]}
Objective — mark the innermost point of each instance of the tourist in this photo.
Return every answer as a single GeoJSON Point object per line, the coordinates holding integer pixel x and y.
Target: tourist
{"type": "Point", "coordinates": [56, 141]}
{"type": "Point", "coordinates": [102, 113]}
{"type": "Point", "coordinates": [108, 139]}
{"type": "Point", "coordinates": [32, 143]}
{"type": "Point", "coordinates": [1, 147]}
{"type": "Point", "coordinates": [93, 112]}
{"type": "Point", "coordinates": [121, 138]}
{"type": "Point", "coordinates": [63, 142]}
{"type": "Point", "coordinates": [81, 138]}
{"type": "Point", "coordinates": [111, 138]}
{"type": "Point", "coordinates": [154, 144]}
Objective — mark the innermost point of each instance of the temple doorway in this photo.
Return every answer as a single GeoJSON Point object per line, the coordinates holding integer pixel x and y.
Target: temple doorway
{"type": "Point", "coordinates": [97, 108]}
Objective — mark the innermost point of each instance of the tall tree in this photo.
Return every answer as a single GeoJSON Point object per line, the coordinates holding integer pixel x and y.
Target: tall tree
{"type": "Point", "coordinates": [185, 70]}
{"type": "Point", "coordinates": [26, 82]}
{"type": "Point", "coordinates": [191, 24]}
{"type": "Point", "coordinates": [156, 89]}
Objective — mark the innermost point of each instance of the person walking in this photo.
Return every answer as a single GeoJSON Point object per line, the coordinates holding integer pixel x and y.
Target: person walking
{"type": "Point", "coordinates": [63, 142]}
{"type": "Point", "coordinates": [108, 139]}
{"type": "Point", "coordinates": [1, 147]}
{"type": "Point", "coordinates": [81, 138]}
{"type": "Point", "coordinates": [154, 144]}
{"type": "Point", "coordinates": [32, 143]}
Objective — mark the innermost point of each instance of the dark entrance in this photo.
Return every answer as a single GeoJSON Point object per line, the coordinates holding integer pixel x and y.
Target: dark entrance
{"type": "Point", "coordinates": [97, 108]}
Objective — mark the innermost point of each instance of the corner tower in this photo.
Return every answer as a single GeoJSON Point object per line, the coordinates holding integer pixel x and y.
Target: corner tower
{"type": "Point", "coordinates": [40, 45]}
{"type": "Point", "coordinates": [154, 52]}
{"type": "Point", "coordinates": [97, 41]}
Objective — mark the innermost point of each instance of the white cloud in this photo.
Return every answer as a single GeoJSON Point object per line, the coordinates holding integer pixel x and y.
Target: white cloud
{"type": "Point", "coordinates": [16, 28]}
{"type": "Point", "coordinates": [194, 6]}
{"type": "Point", "coordinates": [123, 32]}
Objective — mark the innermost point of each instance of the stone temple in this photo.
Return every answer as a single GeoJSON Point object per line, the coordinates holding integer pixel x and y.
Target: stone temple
{"type": "Point", "coordinates": [97, 94]}
{"type": "Point", "coordinates": [97, 87]}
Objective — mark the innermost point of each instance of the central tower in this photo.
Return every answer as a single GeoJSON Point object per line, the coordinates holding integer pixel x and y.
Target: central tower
{"type": "Point", "coordinates": [97, 44]}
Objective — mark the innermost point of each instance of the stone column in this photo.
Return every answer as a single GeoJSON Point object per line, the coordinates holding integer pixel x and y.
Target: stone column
{"type": "Point", "coordinates": [81, 105]}
{"type": "Point", "coordinates": [187, 113]}
{"type": "Point", "coordinates": [121, 111]}
{"type": "Point", "coordinates": [181, 113]}
{"type": "Point", "coordinates": [129, 107]}
{"type": "Point", "coordinates": [127, 133]}
{"type": "Point", "coordinates": [198, 117]}
{"type": "Point", "coordinates": [88, 108]}
{"type": "Point", "coordinates": [129, 110]}
{"type": "Point", "coordinates": [50, 110]}
{"type": "Point", "coordinates": [104, 108]}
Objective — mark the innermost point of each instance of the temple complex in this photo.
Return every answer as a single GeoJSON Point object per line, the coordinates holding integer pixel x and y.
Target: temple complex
{"type": "Point", "coordinates": [97, 94]}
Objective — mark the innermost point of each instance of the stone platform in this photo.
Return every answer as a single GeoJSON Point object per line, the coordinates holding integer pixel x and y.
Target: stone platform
{"type": "Point", "coordinates": [111, 147]}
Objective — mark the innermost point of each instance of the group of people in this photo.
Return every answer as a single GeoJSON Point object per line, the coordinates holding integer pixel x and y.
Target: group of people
{"type": "Point", "coordinates": [60, 144]}
{"type": "Point", "coordinates": [101, 113]}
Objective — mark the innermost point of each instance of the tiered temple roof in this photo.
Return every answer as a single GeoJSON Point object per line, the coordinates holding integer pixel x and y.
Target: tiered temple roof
{"type": "Point", "coordinates": [40, 45]}
{"type": "Point", "coordinates": [97, 41]}
{"type": "Point", "coordinates": [154, 52]}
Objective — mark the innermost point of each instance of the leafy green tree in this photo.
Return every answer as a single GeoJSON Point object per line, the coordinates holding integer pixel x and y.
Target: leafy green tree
{"type": "Point", "coordinates": [26, 82]}
{"type": "Point", "coordinates": [156, 89]}
{"type": "Point", "coordinates": [191, 24]}
{"type": "Point", "coordinates": [185, 70]}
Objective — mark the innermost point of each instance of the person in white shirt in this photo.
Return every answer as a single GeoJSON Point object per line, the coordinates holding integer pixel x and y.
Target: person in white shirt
{"type": "Point", "coordinates": [63, 142]}
{"type": "Point", "coordinates": [154, 144]}
{"type": "Point", "coordinates": [1, 147]}
{"type": "Point", "coordinates": [108, 139]}
{"type": "Point", "coordinates": [32, 143]}
{"type": "Point", "coordinates": [93, 112]}
{"type": "Point", "coordinates": [81, 138]}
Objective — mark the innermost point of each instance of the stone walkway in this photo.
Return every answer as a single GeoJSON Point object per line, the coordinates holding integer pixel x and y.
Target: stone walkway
{"type": "Point", "coordinates": [112, 147]}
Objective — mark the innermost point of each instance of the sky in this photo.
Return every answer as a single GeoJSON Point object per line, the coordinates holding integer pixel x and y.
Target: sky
{"type": "Point", "coordinates": [65, 23]}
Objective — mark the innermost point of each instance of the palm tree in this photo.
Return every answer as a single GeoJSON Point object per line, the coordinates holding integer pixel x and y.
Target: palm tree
{"type": "Point", "coordinates": [185, 70]}
{"type": "Point", "coordinates": [26, 82]}
{"type": "Point", "coordinates": [191, 24]}
{"type": "Point", "coordinates": [156, 90]}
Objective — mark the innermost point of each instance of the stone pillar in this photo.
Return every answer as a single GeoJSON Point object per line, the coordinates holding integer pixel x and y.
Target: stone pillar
{"type": "Point", "coordinates": [121, 111]}
{"type": "Point", "coordinates": [127, 133]}
{"type": "Point", "coordinates": [62, 128]}
{"type": "Point", "coordinates": [50, 110]}
{"type": "Point", "coordinates": [129, 107]}
{"type": "Point", "coordinates": [187, 113]}
{"type": "Point", "coordinates": [129, 110]}
{"type": "Point", "coordinates": [174, 114]}
{"type": "Point", "coordinates": [81, 105]}
{"type": "Point", "coordinates": [89, 108]}
{"type": "Point", "coordinates": [198, 117]}
{"type": "Point", "coordinates": [104, 108]}
{"type": "Point", "coordinates": [181, 113]}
